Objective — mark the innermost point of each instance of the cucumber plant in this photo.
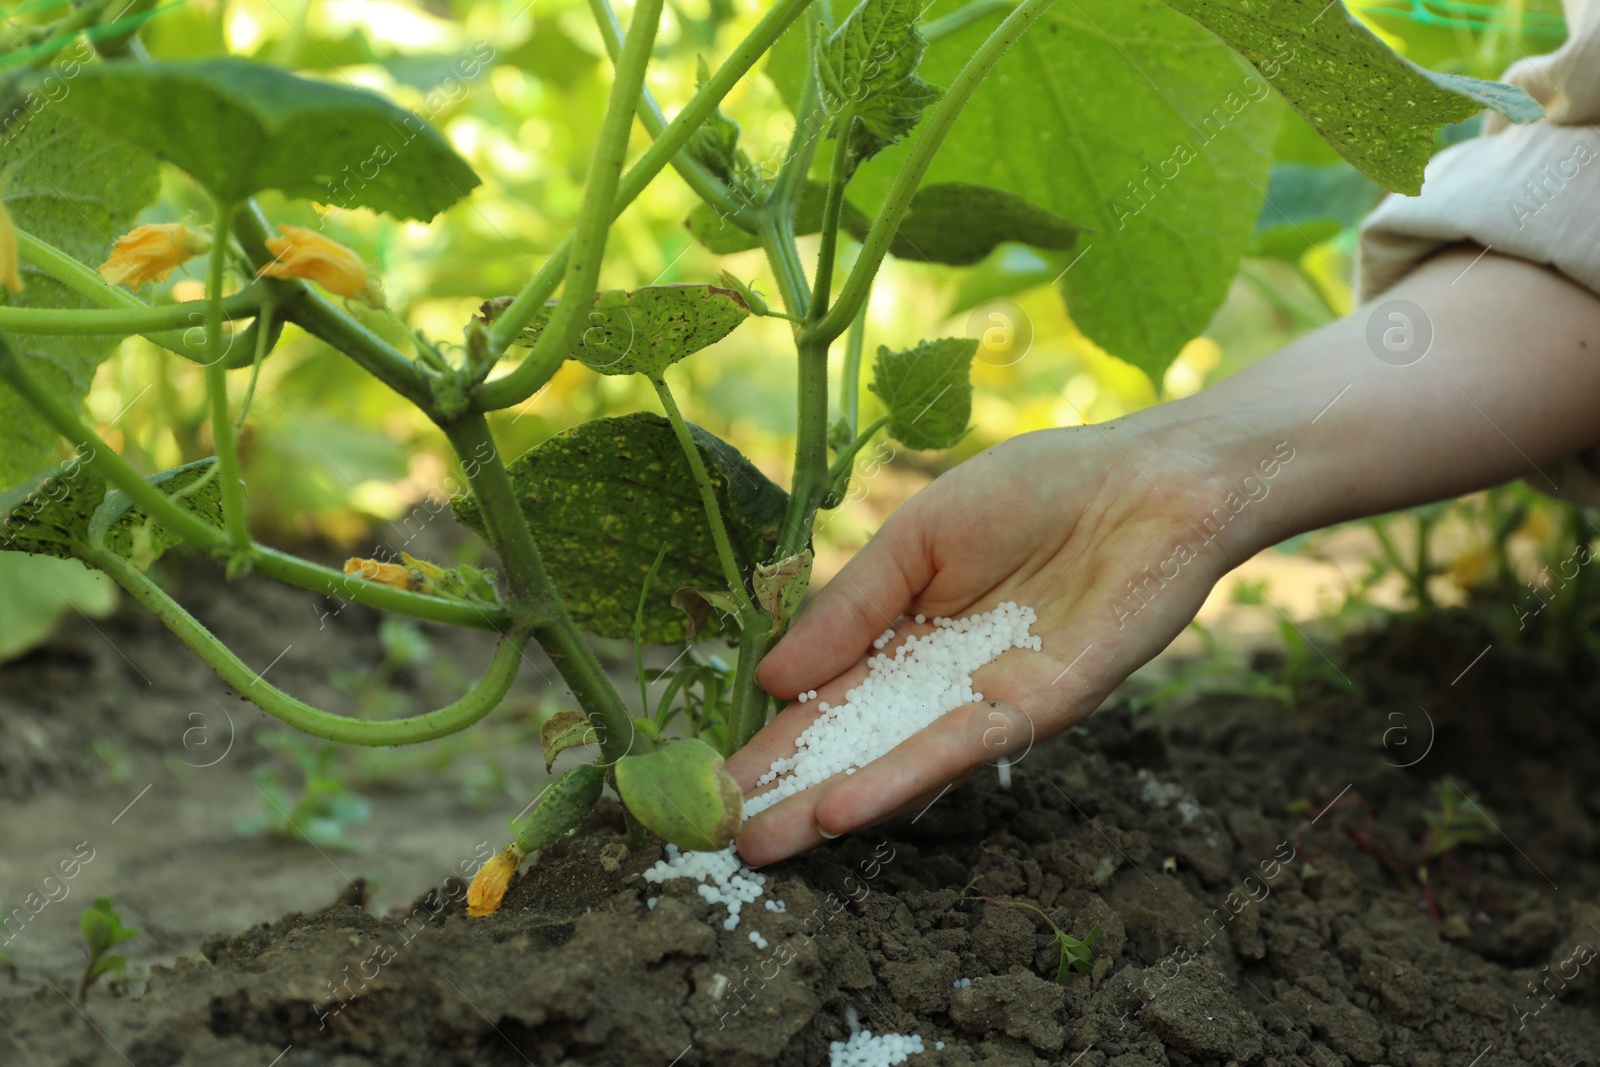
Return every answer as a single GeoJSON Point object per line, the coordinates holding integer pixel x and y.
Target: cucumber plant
{"type": "Point", "coordinates": [1127, 140]}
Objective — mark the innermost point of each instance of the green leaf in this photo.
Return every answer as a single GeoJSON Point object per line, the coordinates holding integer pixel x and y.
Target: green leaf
{"type": "Point", "coordinates": [681, 793]}
{"type": "Point", "coordinates": [721, 236]}
{"type": "Point", "coordinates": [959, 224]}
{"type": "Point", "coordinates": [604, 496]}
{"type": "Point", "coordinates": [1125, 116]}
{"type": "Point", "coordinates": [561, 807]}
{"type": "Point", "coordinates": [65, 184]}
{"type": "Point", "coordinates": [647, 330]}
{"type": "Point", "coordinates": [867, 72]}
{"type": "Point", "coordinates": [35, 592]}
{"type": "Point", "coordinates": [716, 146]}
{"type": "Point", "coordinates": [1308, 204]}
{"type": "Point", "coordinates": [239, 127]}
{"type": "Point", "coordinates": [927, 390]}
{"type": "Point", "coordinates": [49, 514]}
{"type": "Point", "coordinates": [1376, 108]}
{"type": "Point", "coordinates": [131, 534]}
{"type": "Point", "coordinates": [102, 927]}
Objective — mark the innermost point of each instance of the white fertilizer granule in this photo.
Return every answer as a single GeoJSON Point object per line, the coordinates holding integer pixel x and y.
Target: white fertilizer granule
{"type": "Point", "coordinates": [926, 678]}
{"type": "Point", "coordinates": [866, 1049]}
{"type": "Point", "coordinates": [723, 879]}
{"type": "Point", "coordinates": [757, 940]}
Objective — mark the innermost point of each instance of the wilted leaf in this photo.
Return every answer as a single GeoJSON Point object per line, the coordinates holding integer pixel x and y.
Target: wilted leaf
{"type": "Point", "coordinates": [564, 730]}
{"type": "Point", "coordinates": [782, 585]}
{"type": "Point", "coordinates": [239, 127]}
{"type": "Point", "coordinates": [682, 793]}
{"type": "Point", "coordinates": [928, 391]}
{"type": "Point", "coordinates": [604, 496]}
{"type": "Point", "coordinates": [1375, 107]}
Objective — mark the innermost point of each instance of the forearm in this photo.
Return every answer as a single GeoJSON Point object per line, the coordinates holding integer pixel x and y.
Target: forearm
{"type": "Point", "coordinates": [1509, 387]}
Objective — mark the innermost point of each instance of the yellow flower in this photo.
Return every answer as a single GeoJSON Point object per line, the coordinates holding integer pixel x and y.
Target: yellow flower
{"type": "Point", "coordinates": [151, 252]}
{"type": "Point", "coordinates": [304, 253]}
{"type": "Point", "coordinates": [10, 271]}
{"type": "Point", "coordinates": [489, 885]}
{"type": "Point", "coordinates": [413, 574]}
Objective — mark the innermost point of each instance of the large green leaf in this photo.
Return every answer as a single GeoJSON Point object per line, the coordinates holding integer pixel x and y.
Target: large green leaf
{"type": "Point", "coordinates": [68, 185]}
{"type": "Point", "coordinates": [240, 127]}
{"type": "Point", "coordinates": [928, 391]}
{"type": "Point", "coordinates": [867, 71]}
{"type": "Point", "coordinates": [35, 593]}
{"type": "Point", "coordinates": [604, 496]}
{"type": "Point", "coordinates": [1376, 108]}
{"type": "Point", "coordinates": [1125, 116]}
{"type": "Point", "coordinates": [1309, 203]}
{"type": "Point", "coordinates": [646, 330]}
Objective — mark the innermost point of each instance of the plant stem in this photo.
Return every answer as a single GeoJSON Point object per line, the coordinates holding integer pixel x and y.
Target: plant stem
{"type": "Point", "coordinates": [708, 497]}
{"type": "Point", "coordinates": [844, 461]}
{"type": "Point", "coordinates": [776, 231]}
{"type": "Point", "coordinates": [838, 179]}
{"type": "Point", "coordinates": [695, 174]}
{"type": "Point", "coordinates": [267, 561]}
{"type": "Point", "coordinates": [962, 17]}
{"type": "Point", "coordinates": [533, 599]}
{"type": "Point", "coordinates": [233, 511]}
{"type": "Point", "coordinates": [139, 318]}
{"type": "Point", "coordinates": [523, 382]}
{"type": "Point", "coordinates": [593, 225]}
{"type": "Point", "coordinates": [478, 701]}
{"type": "Point", "coordinates": [935, 127]}
{"type": "Point", "coordinates": [850, 374]}
{"type": "Point", "coordinates": [810, 483]}
{"type": "Point", "coordinates": [809, 120]}
{"type": "Point", "coordinates": [748, 700]}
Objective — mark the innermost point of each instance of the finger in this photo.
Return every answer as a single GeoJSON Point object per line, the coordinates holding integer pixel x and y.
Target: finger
{"type": "Point", "coordinates": [790, 827]}
{"type": "Point", "coordinates": [860, 602]}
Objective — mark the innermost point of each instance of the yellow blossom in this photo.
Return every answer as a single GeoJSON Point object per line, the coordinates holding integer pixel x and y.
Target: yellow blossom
{"type": "Point", "coordinates": [489, 885]}
{"type": "Point", "coordinates": [10, 271]}
{"type": "Point", "coordinates": [151, 252]}
{"type": "Point", "coordinates": [303, 253]}
{"type": "Point", "coordinates": [415, 575]}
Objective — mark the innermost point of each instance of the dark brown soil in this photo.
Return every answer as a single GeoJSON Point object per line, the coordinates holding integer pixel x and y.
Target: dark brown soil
{"type": "Point", "coordinates": [1253, 869]}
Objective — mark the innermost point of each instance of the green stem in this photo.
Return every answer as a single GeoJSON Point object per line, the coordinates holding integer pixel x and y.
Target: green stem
{"type": "Point", "coordinates": [748, 700]}
{"type": "Point", "coordinates": [708, 497]}
{"type": "Point", "coordinates": [776, 231]}
{"type": "Point", "coordinates": [810, 484]}
{"type": "Point", "coordinates": [850, 374]}
{"type": "Point", "coordinates": [844, 461]}
{"type": "Point", "coordinates": [523, 382]}
{"type": "Point", "coordinates": [86, 283]}
{"type": "Point", "coordinates": [832, 205]}
{"type": "Point", "coordinates": [478, 701]}
{"type": "Point", "coordinates": [962, 17]}
{"type": "Point", "coordinates": [141, 318]}
{"type": "Point", "coordinates": [934, 128]}
{"type": "Point", "coordinates": [695, 174]}
{"type": "Point", "coordinates": [533, 599]}
{"type": "Point", "coordinates": [266, 561]}
{"type": "Point", "coordinates": [809, 120]}
{"type": "Point", "coordinates": [233, 511]}
{"type": "Point", "coordinates": [593, 226]}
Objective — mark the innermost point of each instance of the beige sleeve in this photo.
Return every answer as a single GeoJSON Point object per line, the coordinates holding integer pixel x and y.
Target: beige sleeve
{"type": "Point", "coordinates": [1527, 191]}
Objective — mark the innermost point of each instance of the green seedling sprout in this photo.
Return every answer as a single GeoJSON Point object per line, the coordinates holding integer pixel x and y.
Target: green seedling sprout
{"type": "Point", "coordinates": [1076, 955]}
{"type": "Point", "coordinates": [102, 931]}
{"type": "Point", "coordinates": [323, 809]}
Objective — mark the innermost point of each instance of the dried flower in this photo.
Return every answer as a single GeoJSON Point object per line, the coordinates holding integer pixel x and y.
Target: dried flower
{"type": "Point", "coordinates": [151, 252]}
{"type": "Point", "coordinates": [303, 253]}
{"type": "Point", "coordinates": [415, 575]}
{"type": "Point", "coordinates": [489, 885]}
{"type": "Point", "coordinates": [10, 270]}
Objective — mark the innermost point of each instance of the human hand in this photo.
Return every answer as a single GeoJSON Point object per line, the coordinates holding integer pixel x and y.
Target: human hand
{"type": "Point", "coordinates": [1069, 522]}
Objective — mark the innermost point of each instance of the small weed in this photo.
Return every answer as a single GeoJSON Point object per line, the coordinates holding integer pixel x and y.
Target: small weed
{"type": "Point", "coordinates": [102, 931]}
{"type": "Point", "coordinates": [321, 811]}
{"type": "Point", "coordinates": [1076, 955]}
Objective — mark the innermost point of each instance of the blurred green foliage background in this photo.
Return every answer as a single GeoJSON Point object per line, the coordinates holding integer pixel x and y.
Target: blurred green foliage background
{"type": "Point", "coordinates": [331, 456]}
